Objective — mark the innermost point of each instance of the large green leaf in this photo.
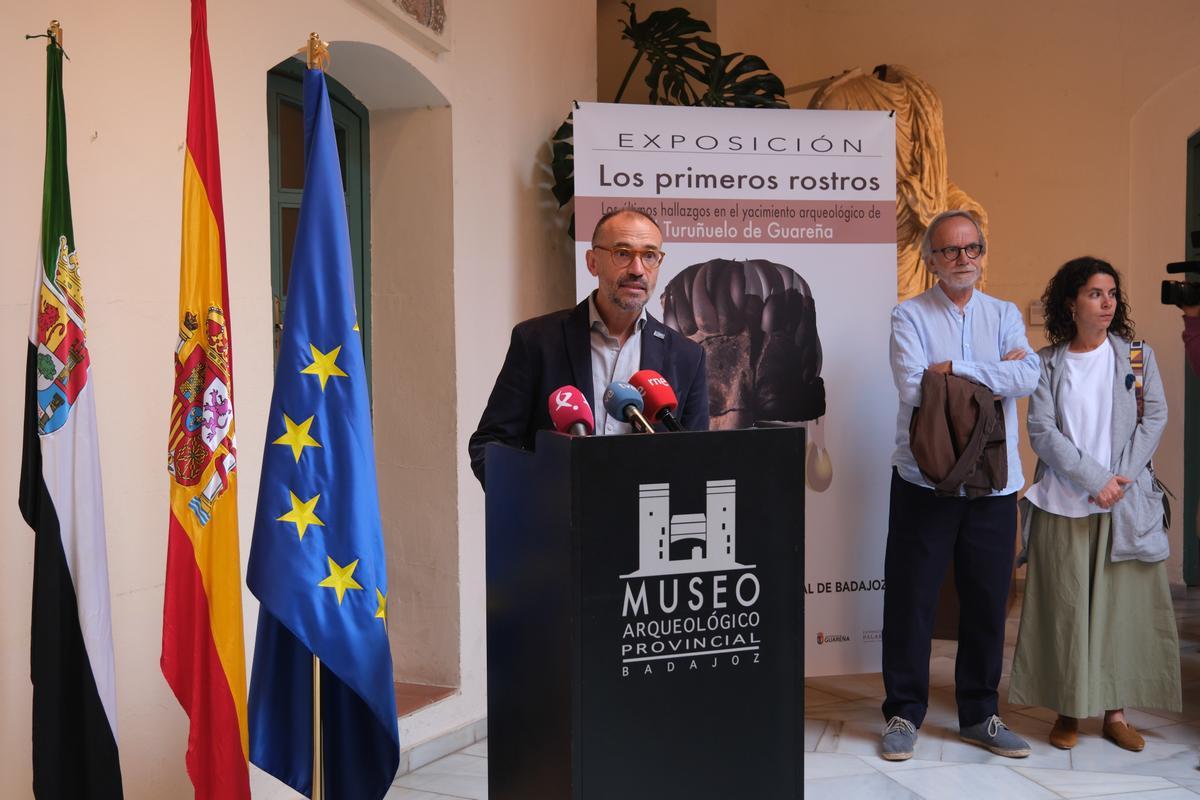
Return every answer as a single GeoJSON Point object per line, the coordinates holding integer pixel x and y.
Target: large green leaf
{"type": "Point", "coordinates": [742, 81]}
{"type": "Point", "coordinates": [562, 165]}
{"type": "Point", "coordinates": [668, 40]}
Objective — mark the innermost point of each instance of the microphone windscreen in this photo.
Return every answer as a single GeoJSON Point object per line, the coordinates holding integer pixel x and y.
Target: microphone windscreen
{"type": "Point", "coordinates": [568, 407]}
{"type": "Point", "coordinates": [657, 394]}
{"type": "Point", "coordinates": [618, 395]}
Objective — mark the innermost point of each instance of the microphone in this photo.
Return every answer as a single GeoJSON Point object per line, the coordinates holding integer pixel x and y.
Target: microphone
{"type": "Point", "coordinates": [570, 412]}
{"type": "Point", "coordinates": [658, 397]}
{"type": "Point", "coordinates": [623, 402]}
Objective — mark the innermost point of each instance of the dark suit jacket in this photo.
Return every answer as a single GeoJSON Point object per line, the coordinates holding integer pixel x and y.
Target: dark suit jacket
{"type": "Point", "coordinates": [555, 350]}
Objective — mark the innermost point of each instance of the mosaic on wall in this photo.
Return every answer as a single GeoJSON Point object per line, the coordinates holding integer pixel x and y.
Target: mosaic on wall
{"type": "Point", "coordinates": [430, 13]}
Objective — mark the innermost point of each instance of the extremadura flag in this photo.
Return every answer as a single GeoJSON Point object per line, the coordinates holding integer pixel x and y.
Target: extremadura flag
{"type": "Point", "coordinates": [71, 652]}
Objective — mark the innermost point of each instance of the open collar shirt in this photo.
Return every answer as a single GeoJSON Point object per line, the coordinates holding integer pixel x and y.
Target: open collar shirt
{"type": "Point", "coordinates": [611, 361]}
{"type": "Point", "coordinates": [930, 329]}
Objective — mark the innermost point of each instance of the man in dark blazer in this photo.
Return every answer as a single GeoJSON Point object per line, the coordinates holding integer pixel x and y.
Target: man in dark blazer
{"type": "Point", "coordinates": [607, 337]}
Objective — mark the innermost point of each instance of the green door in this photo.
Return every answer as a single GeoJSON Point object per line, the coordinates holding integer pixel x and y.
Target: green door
{"type": "Point", "coordinates": [285, 128]}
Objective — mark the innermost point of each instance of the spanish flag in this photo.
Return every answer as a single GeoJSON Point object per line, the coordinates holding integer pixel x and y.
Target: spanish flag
{"type": "Point", "coordinates": [203, 656]}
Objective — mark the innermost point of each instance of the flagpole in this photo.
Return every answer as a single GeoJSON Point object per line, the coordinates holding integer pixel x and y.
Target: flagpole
{"type": "Point", "coordinates": [55, 32]}
{"type": "Point", "coordinates": [318, 58]}
{"type": "Point", "coordinates": [318, 792]}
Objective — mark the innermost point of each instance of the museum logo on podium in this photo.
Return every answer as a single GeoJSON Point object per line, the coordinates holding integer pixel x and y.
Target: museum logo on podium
{"type": "Point", "coordinates": [690, 604]}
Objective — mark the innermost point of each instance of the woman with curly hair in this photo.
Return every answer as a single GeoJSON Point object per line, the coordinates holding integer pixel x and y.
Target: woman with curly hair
{"type": "Point", "coordinates": [1097, 626]}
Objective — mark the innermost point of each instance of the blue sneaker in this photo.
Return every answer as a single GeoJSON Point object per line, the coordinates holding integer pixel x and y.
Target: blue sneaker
{"type": "Point", "coordinates": [994, 735]}
{"type": "Point", "coordinates": [899, 738]}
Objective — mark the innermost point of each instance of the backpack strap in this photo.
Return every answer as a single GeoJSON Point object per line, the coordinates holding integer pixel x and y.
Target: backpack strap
{"type": "Point", "coordinates": [1137, 363]}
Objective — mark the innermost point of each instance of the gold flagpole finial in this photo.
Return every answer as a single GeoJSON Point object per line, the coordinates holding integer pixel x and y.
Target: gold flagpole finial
{"type": "Point", "coordinates": [55, 32]}
{"type": "Point", "coordinates": [317, 52]}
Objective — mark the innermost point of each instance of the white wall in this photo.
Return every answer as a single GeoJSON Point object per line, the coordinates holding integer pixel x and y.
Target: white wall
{"type": "Point", "coordinates": [126, 94]}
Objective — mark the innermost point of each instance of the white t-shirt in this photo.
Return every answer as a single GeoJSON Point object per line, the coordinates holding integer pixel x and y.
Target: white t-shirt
{"type": "Point", "coordinates": [1086, 402]}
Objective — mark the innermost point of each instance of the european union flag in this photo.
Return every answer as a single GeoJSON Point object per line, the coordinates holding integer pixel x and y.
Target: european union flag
{"type": "Point", "coordinates": [317, 561]}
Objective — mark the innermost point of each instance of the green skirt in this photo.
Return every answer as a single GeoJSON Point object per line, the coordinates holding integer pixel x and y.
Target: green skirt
{"type": "Point", "coordinates": [1095, 635]}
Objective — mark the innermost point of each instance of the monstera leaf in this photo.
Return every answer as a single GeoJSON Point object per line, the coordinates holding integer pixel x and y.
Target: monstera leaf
{"type": "Point", "coordinates": [742, 81]}
{"type": "Point", "coordinates": [685, 70]}
{"type": "Point", "coordinates": [562, 165]}
{"type": "Point", "coordinates": [668, 40]}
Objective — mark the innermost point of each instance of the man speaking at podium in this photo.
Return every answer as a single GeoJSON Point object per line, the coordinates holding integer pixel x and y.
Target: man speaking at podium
{"type": "Point", "coordinates": [606, 338]}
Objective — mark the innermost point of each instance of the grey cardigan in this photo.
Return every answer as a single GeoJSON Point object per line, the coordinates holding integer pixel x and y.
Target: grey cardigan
{"type": "Point", "coordinates": [1137, 531]}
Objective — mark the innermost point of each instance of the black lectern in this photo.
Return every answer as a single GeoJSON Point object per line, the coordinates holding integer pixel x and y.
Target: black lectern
{"type": "Point", "coordinates": [644, 617]}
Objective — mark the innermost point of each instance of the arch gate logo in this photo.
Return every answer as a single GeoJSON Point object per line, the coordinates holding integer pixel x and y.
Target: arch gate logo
{"type": "Point", "coordinates": [675, 622]}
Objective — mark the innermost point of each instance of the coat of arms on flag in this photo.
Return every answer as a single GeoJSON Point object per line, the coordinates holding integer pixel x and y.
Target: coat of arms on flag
{"type": "Point", "coordinates": [62, 355]}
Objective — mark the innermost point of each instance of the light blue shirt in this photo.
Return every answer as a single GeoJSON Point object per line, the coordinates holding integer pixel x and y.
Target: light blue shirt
{"type": "Point", "coordinates": [930, 329]}
{"type": "Point", "coordinates": [611, 361]}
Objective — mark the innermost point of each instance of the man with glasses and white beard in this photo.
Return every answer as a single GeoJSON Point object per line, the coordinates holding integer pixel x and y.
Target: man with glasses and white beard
{"type": "Point", "coordinates": [952, 328]}
{"type": "Point", "coordinates": [606, 338]}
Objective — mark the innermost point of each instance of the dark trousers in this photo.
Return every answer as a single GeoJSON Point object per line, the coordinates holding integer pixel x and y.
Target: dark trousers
{"type": "Point", "coordinates": [924, 533]}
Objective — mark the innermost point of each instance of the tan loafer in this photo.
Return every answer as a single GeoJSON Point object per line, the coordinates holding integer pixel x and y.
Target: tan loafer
{"type": "Point", "coordinates": [1065, 733]}
{"type": "Point", "coordinates": [1124, 736]}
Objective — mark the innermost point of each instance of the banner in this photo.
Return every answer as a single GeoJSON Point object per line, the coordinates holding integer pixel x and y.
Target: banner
{"type": "Point", "coordinates": [203, 653]}
{"type": "Point", "coordinates": [780, 233]}
{"type": "Point", "coordinates": [71, 649]}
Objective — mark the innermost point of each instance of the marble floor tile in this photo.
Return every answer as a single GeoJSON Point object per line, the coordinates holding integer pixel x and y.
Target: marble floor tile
{"type": "Point", "coordinates": [1177, 793]}
{"type": "Point", "coordinates": [1180, 733]}
{"type": "Point", "coordinates": [456, 775]}
{"type": "Point", "coordinates": [834, 765]}
{"type": "Point", "coordinates": [814, 697]}
{"type": "Point", "coordinates": [480, 748]}
{"type": "Point", "coordinates": [974, 781]}
{"type": "Point", "coordinates": [813, 730]}
{"type": "Point", "coordinates": [1166, 759]}
{"type": "Point", "coordinates": [874, 785]}
{"type": "Point", "coordinates": [1073, 784]}
{"type": "Point", "coordinates": [400, 793]}
{"type": "Point", "coordinates": [857, 687]}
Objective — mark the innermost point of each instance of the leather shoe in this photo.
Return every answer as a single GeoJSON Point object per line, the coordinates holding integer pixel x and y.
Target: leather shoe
{"type": "Point", "coordinates": [1124, 736]}
{"type": "Point", "coordinates": [1065, 733]}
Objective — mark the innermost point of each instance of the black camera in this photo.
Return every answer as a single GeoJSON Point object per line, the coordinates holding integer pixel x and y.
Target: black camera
{"type": "Point", "coordinates": [1181, 293]}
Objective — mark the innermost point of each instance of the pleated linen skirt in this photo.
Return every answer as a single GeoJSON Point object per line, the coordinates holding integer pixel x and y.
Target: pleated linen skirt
{"type": "Point", "coordinates": [1095, 635]}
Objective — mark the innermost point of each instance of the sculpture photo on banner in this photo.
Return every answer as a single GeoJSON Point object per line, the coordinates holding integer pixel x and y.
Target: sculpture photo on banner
{"type": "Point", "coordinates": [780, 233]}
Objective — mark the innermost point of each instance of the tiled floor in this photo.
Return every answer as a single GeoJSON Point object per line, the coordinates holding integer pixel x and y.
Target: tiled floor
{"type": "Point", "coordinates": [843, 722]}
{"type": "Point", "coordinates": [841, 739]}
{"type": "Point", "coordinates": [462, 776]}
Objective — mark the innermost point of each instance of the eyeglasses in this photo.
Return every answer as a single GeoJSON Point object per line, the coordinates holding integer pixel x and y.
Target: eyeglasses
{"type": "Point", "coordinates": [623, 256]}
{"type": "Point", "coordinates": [973, 250]}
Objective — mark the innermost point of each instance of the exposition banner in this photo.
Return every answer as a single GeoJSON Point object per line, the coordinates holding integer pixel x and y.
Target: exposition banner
{"type": "Point", "coordinates": [780, 233]}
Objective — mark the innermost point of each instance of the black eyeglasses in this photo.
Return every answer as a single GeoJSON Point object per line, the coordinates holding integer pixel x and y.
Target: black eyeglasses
{"type": "Point", "coordinates": [623, 256]}
{"type": "Point", "coordinates": [973, 250]}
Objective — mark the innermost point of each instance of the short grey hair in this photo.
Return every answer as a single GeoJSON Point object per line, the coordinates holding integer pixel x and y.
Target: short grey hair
{"type": "Point", "coordinates": [927, 238]}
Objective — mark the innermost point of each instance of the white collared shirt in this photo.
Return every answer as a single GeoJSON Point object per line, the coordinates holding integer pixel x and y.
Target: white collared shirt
{"type": "Point", "coordinates": [611, 361]}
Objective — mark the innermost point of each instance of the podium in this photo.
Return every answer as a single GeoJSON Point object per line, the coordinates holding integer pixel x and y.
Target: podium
{"type": "Point", "coordinates": [645, 617]}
